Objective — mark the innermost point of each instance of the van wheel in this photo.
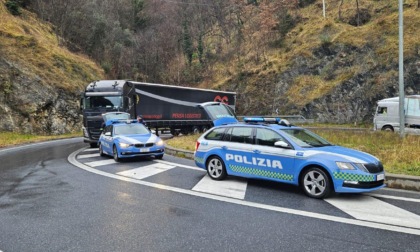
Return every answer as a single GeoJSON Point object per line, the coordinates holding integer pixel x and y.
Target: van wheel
{"type": "Point", "coordinates": [388, 128]}
{"type": "Point", "coordinates": [216, 168]}
{"type": "Point", "coordinates": [315, 183]}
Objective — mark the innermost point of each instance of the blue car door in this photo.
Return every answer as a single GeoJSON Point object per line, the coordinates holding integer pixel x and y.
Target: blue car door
{"type": "Point", "coordinates": [273, 162]}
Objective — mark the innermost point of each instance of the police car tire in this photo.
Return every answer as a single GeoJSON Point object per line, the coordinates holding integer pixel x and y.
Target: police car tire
{"type": "Point", "coordinates": [313, 177]}
{"type": "Point", "coordinates": [216, 168]}
{"type": "Point", "coordinates": [115, 154]}
{"type": "Point", "coordinates": [101, 151]}
{"type": "Point", "coordinates": [159, 157]}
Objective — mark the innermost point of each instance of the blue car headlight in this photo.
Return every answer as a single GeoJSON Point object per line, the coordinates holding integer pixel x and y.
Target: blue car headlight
{"type": "Point", "coordinates": [159, 143]}
{"type": "Point", "coordinates": [124, 145]}
{"type": "Point", "coordinates": [351, 166]}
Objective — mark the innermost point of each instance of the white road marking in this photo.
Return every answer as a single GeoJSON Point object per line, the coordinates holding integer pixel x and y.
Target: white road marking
{"type": "Point", "coordinates": [88, 156]}
{"type": "Point", "coordinates": [146, 171]}
{"type": "Point", "coordinates": [72, 160]}
{"type": "Point", "coordinates": [91, 149]}
{"type": "Point", "coordinates": [370, 209]}
{"type": "Point", "coordinates": [228, 188]}
{"type": "Point", "coordinates": [179, 165]}
{"type": "Point", "coordinates": [393, 197]}
{"type": "Point", "coordinates": [101, 162]}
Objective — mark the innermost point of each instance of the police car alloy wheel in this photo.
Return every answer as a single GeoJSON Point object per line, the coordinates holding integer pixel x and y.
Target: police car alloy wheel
{"type": "Point", "coordinates": [101, 151]}
{"type": "Point", "coordinates": [216, 168]}
{"type": "Point", "coordinates": [316, 183]}
{"type": "Point", "coordinates": [115, 152]}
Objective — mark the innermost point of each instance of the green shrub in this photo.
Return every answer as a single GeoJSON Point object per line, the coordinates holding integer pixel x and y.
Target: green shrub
{"type": "Point", "coordinates": [14, 7]}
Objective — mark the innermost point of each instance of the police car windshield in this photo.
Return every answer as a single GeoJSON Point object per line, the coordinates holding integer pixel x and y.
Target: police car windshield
{"type": "Point", "coordinates": [116, 116]}
{"type": "Point", "coordinates": [130, 129]}
{"type": "Point", "coordinates": [305, 138]}
{"type": "Point", "coordinates": [217, 111]}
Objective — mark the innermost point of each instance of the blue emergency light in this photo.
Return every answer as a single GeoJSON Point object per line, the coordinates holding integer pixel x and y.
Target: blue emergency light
{"type": "Point", "coordinates": [272, 120]}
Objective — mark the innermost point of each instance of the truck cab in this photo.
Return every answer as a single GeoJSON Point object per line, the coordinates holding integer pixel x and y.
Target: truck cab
{"type": "Point", "coordinates": [99, 97]}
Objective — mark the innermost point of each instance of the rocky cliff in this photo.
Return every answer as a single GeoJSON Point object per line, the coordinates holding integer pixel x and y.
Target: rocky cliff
{"type": "Point", "coordinates": [40, 82]}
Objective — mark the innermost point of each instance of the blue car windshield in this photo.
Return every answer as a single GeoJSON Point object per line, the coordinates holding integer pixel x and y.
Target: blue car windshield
{"type": "Point", "coordinates": [130, 129]}
{"type": "Point", "coordinates": [305, 138]}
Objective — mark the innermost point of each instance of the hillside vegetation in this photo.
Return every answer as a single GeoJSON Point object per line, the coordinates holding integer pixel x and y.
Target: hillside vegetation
{"type": "Point", "coordinates": [39, 79]}
{"type": "Point", "coordinates": [280, 56]}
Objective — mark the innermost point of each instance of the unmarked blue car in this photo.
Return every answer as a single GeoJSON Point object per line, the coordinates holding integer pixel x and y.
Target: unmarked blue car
{"type": "Point", "coordinates": [272, 149]}
{"type": "Point", "coordinates": [128, 138]}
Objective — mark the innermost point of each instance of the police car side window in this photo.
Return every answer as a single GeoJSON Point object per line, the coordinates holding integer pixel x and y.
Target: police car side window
{"type": "Point", "coordinates": [216, 134]}
{"type": "Point", "coordinates": [267, 137]}
{"type": "Point", "coordinates": [241, 135]}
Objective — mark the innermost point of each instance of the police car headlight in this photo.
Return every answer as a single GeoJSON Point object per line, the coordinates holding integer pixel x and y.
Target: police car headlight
{"type": "Point", "coordinates": [124, 145]}
{"type": "Point", "coordinates": [345, 166]}
{"type": "Point", "coordinates": [159, 143]}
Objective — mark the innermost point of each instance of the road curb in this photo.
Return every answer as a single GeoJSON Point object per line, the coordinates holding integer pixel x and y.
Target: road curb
{"type": "Point", "coordinates": [405, 182]}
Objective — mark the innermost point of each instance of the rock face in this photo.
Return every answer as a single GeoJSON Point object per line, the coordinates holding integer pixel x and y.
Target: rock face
{"type": "Point", "coordinates": [29, 105]}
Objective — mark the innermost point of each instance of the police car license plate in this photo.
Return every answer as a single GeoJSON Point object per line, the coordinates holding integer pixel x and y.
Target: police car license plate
{"type": "Point", "coordinates": [380, 177]}
{"type": "Point", "coordinates": [144, 150]}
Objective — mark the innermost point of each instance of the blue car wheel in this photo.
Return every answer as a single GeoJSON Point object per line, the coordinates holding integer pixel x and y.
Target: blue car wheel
{"type": "Point", "coordinates": [216, 168]}
{"type": "Point", "coordinates": [115, 152]}
{"type": "Point", "coordinates": [316, 183]}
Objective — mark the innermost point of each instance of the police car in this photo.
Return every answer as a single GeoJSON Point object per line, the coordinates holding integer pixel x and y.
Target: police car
{"type": "Point", "coordinates": [272, 149]}
{"type": "Point", "coordinates": [128, 138]}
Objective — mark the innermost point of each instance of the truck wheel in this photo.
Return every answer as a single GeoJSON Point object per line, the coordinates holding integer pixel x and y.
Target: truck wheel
{"type": "Point", "coordinates": [388, 128]}
{"type": "Point", "coordinates": [216, 168]}
{"type": "Point", "coordinates": [204, 129]}
{"type": "Point", "coordinates": [195, 131]}
{"type": "Point", "coordinates": [315, 183]}
{"type": "Point", "coordinates": [115, 152]}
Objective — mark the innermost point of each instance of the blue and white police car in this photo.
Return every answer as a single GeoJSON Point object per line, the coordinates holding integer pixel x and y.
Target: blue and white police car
{"type": "Point", "coordinates": [272, 149]}
{"type": "Point", "coordinates": [128, 138]}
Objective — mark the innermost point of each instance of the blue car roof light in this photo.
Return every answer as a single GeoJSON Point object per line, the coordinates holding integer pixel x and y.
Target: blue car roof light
{"type": "Point", "coordinates": [267, 120]}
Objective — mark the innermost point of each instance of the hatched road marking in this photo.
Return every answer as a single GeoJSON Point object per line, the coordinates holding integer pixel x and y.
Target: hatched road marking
{"type": "Point", "coordinates": [228, 188]}
{"type": "Point", "coordinates": [101, 162]}
{"type": "Point", "coordinates": [88, 156]}
{"type": "Point", "coordinates": [146, 171]}
{"type": "Point", "coordinates": [370, 209]}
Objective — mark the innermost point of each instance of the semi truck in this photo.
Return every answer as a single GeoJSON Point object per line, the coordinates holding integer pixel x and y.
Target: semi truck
{"type": "Point", "coordinates": [163, 107]}
{"type": "Point", "coordinates": [387, 116]}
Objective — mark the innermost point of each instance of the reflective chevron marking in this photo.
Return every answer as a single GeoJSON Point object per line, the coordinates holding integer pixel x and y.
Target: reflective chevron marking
{"type": "Point", "coordinates": [228, 188]}
{"type": "Point", "coordinates": [101, 162]}
{"type": "Point", "coordinates": [87, 156]}
{"type": "Point", "coordinates": [146, 171]}
{"type": "Point", "coordinates": [370, 209]}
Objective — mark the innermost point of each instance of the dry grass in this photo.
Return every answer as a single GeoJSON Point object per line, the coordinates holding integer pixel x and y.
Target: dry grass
{"type": "Point", "coordinates": [399, 156]}
{"type": "Point", "coordinates": [8, 139]}
{"type": "Point", "coordinates": [31, 46]}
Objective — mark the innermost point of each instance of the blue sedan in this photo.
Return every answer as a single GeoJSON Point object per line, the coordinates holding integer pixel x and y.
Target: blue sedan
{"type": "Point", "coordinates": [124, 139]}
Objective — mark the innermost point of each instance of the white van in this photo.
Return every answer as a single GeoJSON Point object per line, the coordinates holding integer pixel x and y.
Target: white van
{"type": "Point", "coordinates": [387, 114]}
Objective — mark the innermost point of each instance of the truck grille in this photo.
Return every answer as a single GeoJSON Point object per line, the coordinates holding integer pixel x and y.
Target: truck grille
{"type": "Point", "coordinates": [374, 168]}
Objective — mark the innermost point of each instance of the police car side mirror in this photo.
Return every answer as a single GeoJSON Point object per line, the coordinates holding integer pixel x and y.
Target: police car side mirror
{"type": "Point", "coordinates": [282, 144]}
{"type": "Point", "coordinates": [107, 133]}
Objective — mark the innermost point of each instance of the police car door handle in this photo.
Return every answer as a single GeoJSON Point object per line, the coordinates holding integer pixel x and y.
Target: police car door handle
{"type": "Point", "coordinates": [224, 147]}
{"type": "Point", "coordinates": [257, 151]}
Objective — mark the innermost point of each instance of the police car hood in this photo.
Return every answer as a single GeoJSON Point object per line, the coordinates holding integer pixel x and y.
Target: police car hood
{"type": "Point", "coordinates": [342, 154]}
{"type": "Point", "coordinates": [137, 139]}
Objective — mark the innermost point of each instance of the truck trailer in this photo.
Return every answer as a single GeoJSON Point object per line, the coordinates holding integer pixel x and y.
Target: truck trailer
{"type": "Point", "coordinates": [387, 114]}
{"type": "Point", "coordinates": [163, 107]}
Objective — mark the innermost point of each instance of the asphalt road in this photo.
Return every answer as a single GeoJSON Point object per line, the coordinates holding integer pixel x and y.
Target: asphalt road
{"type": "Point", "coordinates": [94, 204]}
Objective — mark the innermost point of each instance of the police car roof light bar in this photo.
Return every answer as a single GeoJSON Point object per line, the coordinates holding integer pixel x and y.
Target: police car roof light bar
{"type": "Point", "coordinates": [261, 119]}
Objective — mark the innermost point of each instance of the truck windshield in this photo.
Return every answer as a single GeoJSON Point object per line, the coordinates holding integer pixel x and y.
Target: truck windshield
{"type": "Point", "coordinates": [92, 102]}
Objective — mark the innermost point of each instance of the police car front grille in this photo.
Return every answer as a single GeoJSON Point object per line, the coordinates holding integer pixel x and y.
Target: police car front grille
{"type": "Point", "coordinates": [374, 168]}
{"type": "Point", "coordinates": [143, 145]}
